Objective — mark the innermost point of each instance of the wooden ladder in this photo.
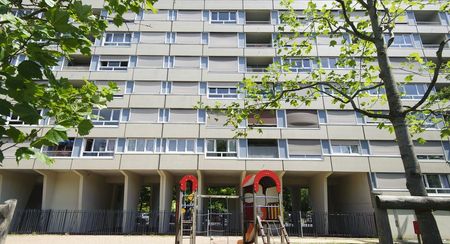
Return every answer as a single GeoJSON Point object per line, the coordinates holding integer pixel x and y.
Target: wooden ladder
{"type": "Point", "coordinates": [186, 227]}
{"type": "Point", "coordinates": [272, 224]}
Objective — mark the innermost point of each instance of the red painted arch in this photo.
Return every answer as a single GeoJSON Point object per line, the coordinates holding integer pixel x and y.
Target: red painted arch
{"type": "Point", "coordinates": [258, 176]}
{"type": "Point", "coordinates": [192, 179]}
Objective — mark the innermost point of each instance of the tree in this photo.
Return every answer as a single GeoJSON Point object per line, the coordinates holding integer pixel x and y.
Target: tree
{"type": "Point", "coordinates": [363, 42]}
{"type": "Point", "coordinates": [34, 35]}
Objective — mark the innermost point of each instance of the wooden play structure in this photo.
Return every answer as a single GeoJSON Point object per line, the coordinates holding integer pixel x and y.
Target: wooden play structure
{"type": "Point", "coordinates": [186, 210]}
{"type": "Point", "coordinates": [261, 208]}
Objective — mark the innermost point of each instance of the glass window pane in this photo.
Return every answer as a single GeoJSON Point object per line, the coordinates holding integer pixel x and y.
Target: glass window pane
{"type": "Point", "coordinates": [116, 115]}
{"type": "Point", "coordinates": [190, 145]}
{"type": "Point", "coordinates": [105, 114]}
{"type": "Point", "coordinates": [214, 16]}
{"type": "Point", "coordinates": [111, 145]}
{"type": "Point", "coordinates": [131, 145]}
{"type": "Point", "coordinates": [140, 145]}
{"type": "Point", "coordinates": [223, 16]}
{"type": "Point", "coordinates": [232, 146]}
{"type": "Point", "coordinates": [233, 16]}
{"type": "Point", "coordinates": [434, 181]}
{"type": "Point", "coordinates": [172, 145]}
{"type": "Point", "coordinates": [221, 145]}
{"type": "Point", "coordinates": [118, 37]}
{"type": "Point", "coordinates": [210, 145]}
{"type": "Point", "coordinates": [336, 149]}
{"type": "Point", "coordinates": [128, 37]}
{"type": "Point", "coordinates": [181, 147]}
{"type": "Point", "coordinates": [150, 146]}
{"type": "Point", "coordinates": [108, 38]}
{"type": "Point", "coordinates": [410, 89]}
{"type": "Point", "coordinates": [99, 145]}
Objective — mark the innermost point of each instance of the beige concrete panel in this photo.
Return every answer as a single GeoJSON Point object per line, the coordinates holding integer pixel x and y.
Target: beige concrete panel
{"type": "Point", "coordinates": [95, 192]}
{"type": "Point", "coordinates": [150, 74]}
{"type": "Point", "coordinates": [82, 74]}
{"type": "Point", "coordinates": [187, 26]}
{"type": "Point", "coordinates": [119, 102]}
{"type": "Point", "coordinates": [92, 163]}
{"type": "Point", "coordinates": [184, 130]}
{"type": "Point", "coordinates": [431, 135]}
{"type": "Point", "coordinates": [119, 50]}
{"type": "Point", "coordinates": [374, 104]}
{"type": "Point", "coordinates": [434, 166]}
{"type": "Point", "coordinates": [345, 132]}
{"type": "Point", "coordinates": [258, 4]}
{"type": "Point", "coordinates": [221, 102]}
{"type": "Point", "coordinates": [432, 29]}
{"type": "Point", "coordinates": [10, 163]}
{"type": "Point", "coordinates": [329, 105]}
{"type": "Point", "coordinates": [403, 52]}
{"type": "Point", "coordinates": [355, 200]}
{"type": "Point", "coordinates": [181, 101]}
{"type": "Point", "coordinates": [308, 165]}
{"type": "Point", "coordinates": [153, 49]}
{"type": "Point", "coordinates": [61, 190]}
{"type": "Point", "coordinates": [208, 27]}
{"type": "Point", "coordinates": [409, 102]}
{"type": "Point", "coordinates": [259, 164]}
{"type": "Point", "coordinates": [216, 76]}
{"type": "Point", "coordinates": [216, 132]}
{"type": "Point", "coordinates": [112, 75]}
{"type": "Point", "coordinates": [132, 186]}
{"type": "Point", "coordinates": [267, 133]}
{"type": "Point", "coordinates": [431, 52]}
{"type": "Point", "coordinates": [404, 28]}
{"type": "Point", "coordinates": [259, 28]}
{"type": "Point", "coordinates": [139, 162]}
{"type": "Point", "coordinates": [420, 78]}
{"type": "Point", "coordinates": [146, 101]}
{"type": "Point", "coordinates": [143, 130]}
{"type": "Point", "coordinates": [299, 133]}
{"type": "Point", "coordinates": [223, 4]}
{"type": "Point", "coordinates": [352, 164]}
{"type": "Point", "coordinates": [217, 51]}
{"type": "Point", "coordinates": [59, 164]}
{"type": "Point", "coordinates": [327, 51]}
{"type": "Point", "coordinates": [315, 104]}
{"type": "Point", "coordinates": [166, 4]}
{"type": "Point", "coordinates": [189, 4]}
{"type": "Point", "coordinates": [185, 74]}
{"type": "Point", "coordinates": [386, 164]}
{"type": "Point", "coordinates": [110, 131]}
{"type": "Point", "coordinates": [15, 185]}
{"type": "Point", "coordinates": [178, 162]}
{"type": "Point", "coordinates": [186, 50]}
{"type": "Point", "coordinates": [251, 52]}
{"type": "Point", "coordinates": [373, 133]}
{"type": "Point", "coordinates": [296, 4]}
{"type": "Point", "coordinates": [125, 27]}
{"type": "Point", "coordinates": [157, 26]}
{"type": "Point", "coordinates": [220, 164]}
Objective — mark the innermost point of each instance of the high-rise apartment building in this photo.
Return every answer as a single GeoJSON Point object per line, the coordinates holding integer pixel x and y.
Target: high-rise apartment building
{"type": "Point", "coordinates": [198, 51]}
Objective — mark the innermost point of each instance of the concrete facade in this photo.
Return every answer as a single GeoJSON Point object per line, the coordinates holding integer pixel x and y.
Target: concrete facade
{"type": "Point", "coordinates": [151, 135]}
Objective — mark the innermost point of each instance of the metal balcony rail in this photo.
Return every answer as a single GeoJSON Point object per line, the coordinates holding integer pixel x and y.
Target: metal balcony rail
{"type": "Point", "coordinates": [257, 68]}
{"type": "Point", "coordinates": [428, 22]}
{"type": "Point", "coordinates": [258, 22]}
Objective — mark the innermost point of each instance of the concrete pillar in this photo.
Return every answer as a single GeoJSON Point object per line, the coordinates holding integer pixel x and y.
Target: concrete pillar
{"type": "Point", "coordinates": [319, 200]}
{"type": "Point", "coordinates": [132, 188]}
{"type": "Point", "coordinates": [154, 198]}
{"type": "Point", "coordinates": [94, 192]}
{"type": "Point", "coordinates": [165, 200]}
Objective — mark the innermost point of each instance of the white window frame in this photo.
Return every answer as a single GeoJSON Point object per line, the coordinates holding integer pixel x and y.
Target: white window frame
{"type": "Point", "coordinates": [45, 150]}
{"type": "Point", "coordinates": [219, 21]}
{"type": "Point", "coordinates": [108, 67]}
{"type": "Point", "coordinates": [177, 142]}
{"type": "Point", "coordinates": [146, 142]}
{"type": "Point", "coordinates": [227, 95]}
{"type": "Point", "coordinates": [346, 146]}
{"type": "Point", "coordinates": [96, 154]}
{"type": "Point", "coordinates": [416, 96]}
{"type": "Point", "coordinates": [403, 43]}
{"type": "Point", "coordinates": [166, 87]}
{"type": "Point", "coordinates": [437, 190]}
{"type": "Point", "coordinates": [106, 122]}
{"type": "Point", "coordinates": [222, 154]}
{"type": "Point", "coordinates": [166, 114]}
{"type": "Point", "coordinates": [123, 42]}
{"type": "Point", "coordinates": [300, 69]}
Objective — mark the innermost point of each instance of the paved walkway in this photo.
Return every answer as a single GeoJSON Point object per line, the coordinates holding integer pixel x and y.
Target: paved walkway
{"type": "Point", "coordinates": [67, 239]}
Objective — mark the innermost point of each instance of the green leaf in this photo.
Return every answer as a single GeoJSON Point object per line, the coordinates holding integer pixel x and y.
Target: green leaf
{"type": "Point", "coordinates": [30, 69]}
{"type": "Point", "coordinates": [84, 127]}
{"type": "Point", "coordinates": [23, 153]}
{"type": "Point", "coordinates": [43, 157]}
{"type": "Point", "coordinates": [55, 136]}
{"type": "Point", "coordinates": [5, 107]}
{"type": "Point", "coordinates": [149, 5]}
{"type": "Point", "coordinates": [16, 135]}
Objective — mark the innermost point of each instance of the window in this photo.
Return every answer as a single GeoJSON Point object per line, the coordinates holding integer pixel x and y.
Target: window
{"type": "Point", "coordinates": [305, 149]}
{"type": "Point", "coordinates": [117, 39]}
{"type": "Point", "coordinates": [16, 60]}
{"type": "Point", "coordinates": [99, 147]}
{"type": "Point", "coordinates": [265, 118]}
{"type": "Point", "coordinates": [140, 145]}
{"type": "Point", "coordinates": [377, 91]}
{"type": "Point", "coordinates": [14, 120]}
{"type": "Point", "coordinates": [181, 145]}
{"type": "Point", "coordinates": [222, 90]}
{"type": "Point", "coordinates": [345, 147]}
{"type": "Point", "coordinates": [221, 148]}
{"type": "Point", "coordinates": [437, 183]}
{"type": "Point", "coordinates": [401, 40]}
{"type": "Point", "coordinates": [21, 12]}
{"type": "Point", "coordinates": [302, 119]}
{"type": "Point", "coordinates": [431, 150]}
{"type": "Point", "coordinates": [113, 65]}
{"type": "Point", "coordinates": [262, 148]}
{"type": "Point", "coordinates": [223, 17]}
{"type": "Point", "coordinates": [300, 64]}
{"type": "Point", "coordinates": [413, 91]}
{"type": "Point", "coordinates": [63, 149]}
{"type": "Point", "coordinates": [106, 116]}
{"type": "Point", "coordinates": [330, 63]}
{"type": "Point", "coordinates": [166, 87]}
{"type": "Point", "coordinates": [164, 114]}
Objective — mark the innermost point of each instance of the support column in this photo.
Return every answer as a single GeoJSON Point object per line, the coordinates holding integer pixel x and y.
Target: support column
{"type": "Point", "coordinates": [165, 200]}
{"type": "Point", "coordinates": [200, 191]}
{"type": "Point", "coordinates": [132, 187]}
{"type": "Point", "coordinates": [94, 192]}
{"type": "Point", "coordinates": [319, 201]}
{"type": "Point", "coordinates": [48, 188]}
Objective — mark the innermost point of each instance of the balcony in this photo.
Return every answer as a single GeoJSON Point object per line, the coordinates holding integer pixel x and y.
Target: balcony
{"type": "Point", "coordinates": [258, 64]}
{"type": "Point", "coordinates": [427, 17]}
{"type": "Point", "coordinates": [77, 63]}
{"type": "Point", "coordinates": [259, 17]}
{"type": "Point", "coordinates": [258, 40]}
{"type": "Point", "coordinates": [432, 41]}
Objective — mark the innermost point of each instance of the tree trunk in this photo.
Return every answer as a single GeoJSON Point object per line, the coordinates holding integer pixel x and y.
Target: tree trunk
{"type": "Point", "coordinates": [414, 181]}
{"type": "Point", "coordinates": [6, 214]}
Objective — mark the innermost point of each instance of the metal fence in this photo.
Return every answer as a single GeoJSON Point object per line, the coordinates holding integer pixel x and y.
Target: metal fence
{"type": "Point", "coordinates": [117, 222]}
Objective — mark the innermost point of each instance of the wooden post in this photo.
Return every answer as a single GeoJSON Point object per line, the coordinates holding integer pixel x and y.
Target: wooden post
{"type": "Point", "coordinates": [382, 223]}
{"type": "Point", "coordinates": [6, 214]}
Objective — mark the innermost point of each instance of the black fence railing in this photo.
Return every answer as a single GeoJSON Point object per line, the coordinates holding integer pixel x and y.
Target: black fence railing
{"type": "Point", "coordinates": [118, 222]}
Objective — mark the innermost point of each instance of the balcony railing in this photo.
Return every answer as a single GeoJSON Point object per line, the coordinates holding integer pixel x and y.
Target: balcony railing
{"type": "Point", "coordinates": [428, 22]}
{"type": "Point", "coordinates": [259, 45]}
{"type": "Point", "coordinates": [75, 68]}
{"type": "Point", "coordinates": [258, 22]}
{"type": "Point", "coordinates": [257, 68]}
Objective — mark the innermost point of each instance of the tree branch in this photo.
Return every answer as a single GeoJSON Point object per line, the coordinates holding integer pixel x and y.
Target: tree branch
{"type": "Point", "coordinates": [355, 30]}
